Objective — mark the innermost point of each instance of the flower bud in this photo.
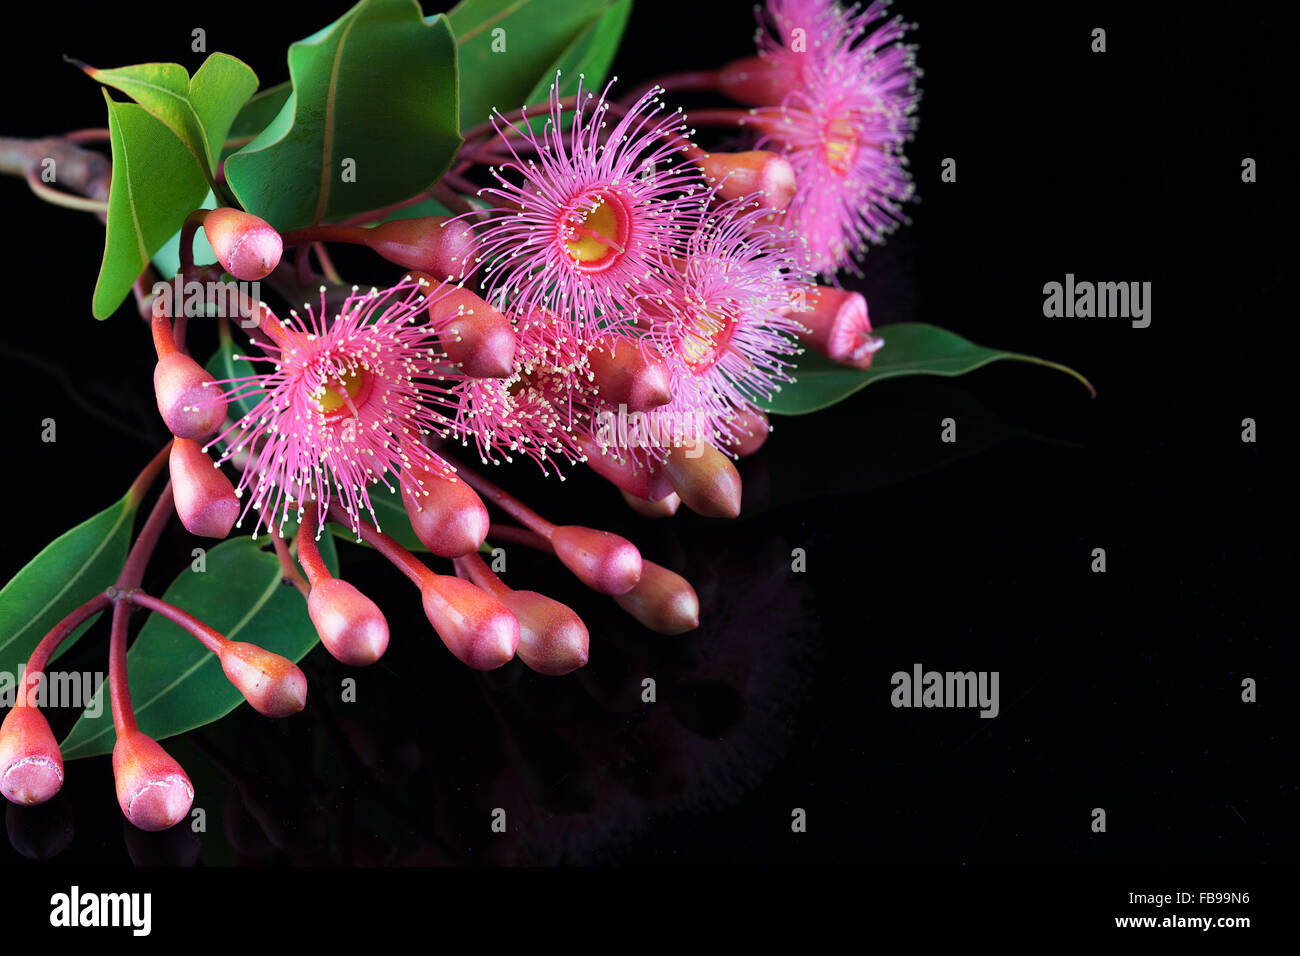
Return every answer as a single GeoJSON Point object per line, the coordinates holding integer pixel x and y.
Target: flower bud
{"type": "Point", "coordinates": [475, 336]}
{"type": "Point", "coordinates": [622, 472]}
{"type": "Point", "coordinates": [247, 247]}
{"type": "Point", "coordinates": [31, 767]}
{"type": "Point", "coordinates": [188, 406]}
{"type": "Point", "coordinates": [757, 80]}
{"type": "Point", "coordinates": [451, 519]}
{"type": "Point", "coordinates": [272, 684]}
{"type": "Point", "coordinates": [152, 789]}
{"type": "Point", "coordinates": [708, 482]}
{"type": "Point", "coordinates": [205, 498]}
{"type": "Point", "coordinates": [749, 428]}
{"type": "Point", "coordinates": [350, 625]}
{"type": "Point", "coordinates": [627, 373]}
{"type": "Point", "coordinates": [765, 177]}
{"type": "Point", "coordinates": [665, 507]}
{"type": "Point", "coordinates": [474, 625]}
{"type": "Point", "coordinates": [604, 562]}
{"type": "Point", "coordinates": [438, 245]}
{"type": "Point", "coordinates": [838, 326]}
{"type": "Point", "coordinates": [552, 639]}
{"type": "Point", "coordinates": [663, 601]}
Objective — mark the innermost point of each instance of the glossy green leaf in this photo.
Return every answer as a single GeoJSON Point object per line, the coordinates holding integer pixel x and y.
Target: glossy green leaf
{"type": "Point", "coordinates": [176, 683]}
{"type": "Point", "coordinates": [259, 112]}
{"type": "Point", "coordinates": [909, 349]}
{"type": "Point", "coordinates": [198, 111]}
{"type": "Point", "coordinates": [156, 183]}
{"type": "Point", "coordinates": [70, 571]}
{"type": "Point", "coordinates": [372, 119]}
{"type": "Point", "coordinates": [589, 56]}
{"type": "Point", "coordinates": [538, 36]}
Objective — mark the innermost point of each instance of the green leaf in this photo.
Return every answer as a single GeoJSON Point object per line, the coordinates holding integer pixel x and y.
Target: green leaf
{"type": "Point", "coordinates": [199, 111]}
{"type": "Point", "coordinates": [176, 683]}
{"type": "Point", "coordinates": [258, 113]}
{"type": "Point", "coordinates": [909, 349]}
{"type": "Point", "coordinates": [70, 571]}
{"type": "Point", "coordinates": [167, 260]}
{"type": "Point", "coordinates": [376, 90]}
{"type": "Point", "coordinates": [539, 37]}
{"type": "Point", "coordinates": [156, 183]}
{"type": "Point", "coordinates": [224, 365]}
{"type": "Point", "coordinates": [588, 57]}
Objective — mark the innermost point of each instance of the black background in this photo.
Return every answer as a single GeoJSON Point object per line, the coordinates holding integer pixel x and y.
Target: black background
{"type": "Point", "coordinates": [1120, 691]}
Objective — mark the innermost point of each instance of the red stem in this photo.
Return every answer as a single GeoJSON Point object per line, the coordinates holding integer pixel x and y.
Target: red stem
{"type": "Point", "coordinates": [505, 532]}
{"type": "Point", "coordinates": [308, 552]}
{"type": "Point", "coordinates": [288, 567]}
{"type": "Point", "coordinates": [406, 562]}
{"type": "Point", "coordinates": [473, 567]}
{"type": "Point", "coordinates": [40, 658]}
{"type": "Point", "coordinates": [505, 501]}
{"type": "Point", "coordinates": [205, 635]}
{"type": "Point", "coordinates": [138, 558]}
{"type": "Point", "coordinates": [674, 82]}
{"type": "Point", "coordinates": [118, 689]}
{"type": "Point", "coordinates": [148, 474]}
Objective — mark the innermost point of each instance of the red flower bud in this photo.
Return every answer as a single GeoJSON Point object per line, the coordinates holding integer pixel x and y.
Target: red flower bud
{"type": "Point", "coordinates": [31, 767]}
{"type": "Point", "coordinates": [434, 244]}
{"type": "Point", "coordinates": [707, 483]}
{"type": "Point", "coordinates": [756, 81]}
{"type": "Point", "coordinates": [188, 406]}
{"type": "Point", "coordinates": [604, 562]}
{"type": "Point", "coordinates": [451, 519]}
{"type": "Point", "coordinates": [663, 601]}
{"type": "Point", "coordinates": [350, 625]}
{"type": "Point", "coordinates": [638, 481]}
{"type": "Point", "coordinates": [751, 427]}
{"type": "Point", "coordinates": [272, 684]}
{"type": "Point", "coordinates": [478, 338]}
{"type": "Point", "coordinates": [247, 247]}
{"type": "Point", "coordinates": [763, 176]}
{"type": "Point", "coordinates": [552, 639]}
{"type": "Point", "coordinates": [665, 507]}
{"type": "Point", "coordinates": [152, 789]}
{"type": "Point", "coordinates": [625, 373]}
{"type": "Point", "coordinates": [838, 326]}
{"type": "Point", "coordinates": [205, 498]}
{"type": "Point", "coordinates": [474, 625]}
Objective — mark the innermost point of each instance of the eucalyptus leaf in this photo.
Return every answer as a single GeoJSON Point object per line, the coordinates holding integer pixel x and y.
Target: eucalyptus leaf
{"type": "Point", "coordinates": [372, 119]}
{"type": "Point", "coordinates": [68, 572]}
{"type": "Point", "coordinates": [176, 683]}
{"type": "Point", "coordinates": [156, 183]}
{"type": "Point", "coordinates": [909, 349]}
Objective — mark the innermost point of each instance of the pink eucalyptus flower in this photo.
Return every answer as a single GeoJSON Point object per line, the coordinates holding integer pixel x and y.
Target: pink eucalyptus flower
{"type": "Point", "coordinates": [341, 407]}
{"type": "Point", "coordinates": [595, 211]}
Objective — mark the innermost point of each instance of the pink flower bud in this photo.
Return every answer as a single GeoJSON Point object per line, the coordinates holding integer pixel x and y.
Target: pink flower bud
{"type": "Point", "coordinates": [31, 767]}
{"type": "Point", "coordinates": [247, 247]}
{"type": "Point", "coordinates": [474, 625]}
{"type": "Point", "coordinates": [838, 326]}
{"type": "Point", "coordinates": [604, 562]}
{"type": "Point", "coordinates": [188, 404]}
{"type": "Point", "coordinates": [438, 245]}
{"type": "Point", "coordinates": [451, 519]}
{"type": "Point", "coordinates": [152, 789]}
{"type": "Point", "coordinates": [708, 483]}
{"type": "Point", "coordinates": [764, 177]}
{"type": "Point", "coordinates": [475, 336]}
{"type": "Point", "coordinates": [663, 601]}
{"type": "Point", "coordinates": [552, 639]}
{"type": "Point", "coordinates": [625, 373]}
{"type": "Point", "coordinates": [272, 684]}
{"type": "Point", "coordinates": [665, 507]}
{"type": "Point", "coordinates": [205, 498]}
{"type": "Point", "coordinates": [757, 81]}
{"type": "Point", "coordinates": [350, 625]}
